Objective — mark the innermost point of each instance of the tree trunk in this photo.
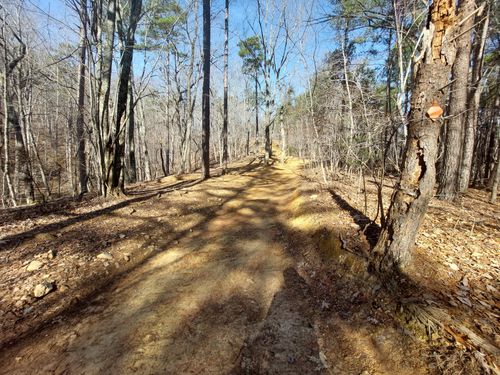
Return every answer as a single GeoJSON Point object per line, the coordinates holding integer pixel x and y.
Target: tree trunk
{"type": "Point", "coordinates": [105, 53]}
{"type": "Point", "coordinates": [473, 105]}
{"type": "Point", "coordinates": [21, 155]}
{"type": "Point", "coordinates": [267, 129]}
{"type": "Point", "coordinates": [256, 108]}
{"type": "Point", "coordinates": [247, 145]}
{"type": "Point", "coordinates": [283, 135]}
{"type": "Point", "coordinates": [132, 170]}
{"type": "Point", "coordinates": [225, 115]}
{"type": "Point", "coordinates": [141, 125]}
{"type": "Point", "coordinates": [496, 179]}
{"type": "Point", "coordinates": [11, 117]}
{"type": "Point", "coordinates": [205, 107]}
{"type": "Point", "coordinates": [348, 90]}
{"type": "Point", "coordinates": [457, 105]}
{"type": "Point", "coordinates": [82, 165]}
{"type": "Point", "coordinates": [115, 146]}
{"type": "Point", "coordinates": [6, 160]}
{"type": "Point", "coordinates": [415, 186]}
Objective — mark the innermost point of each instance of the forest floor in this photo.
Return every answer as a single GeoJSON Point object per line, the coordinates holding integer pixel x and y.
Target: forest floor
{"type": "Point", "coordinates": [257, 271]}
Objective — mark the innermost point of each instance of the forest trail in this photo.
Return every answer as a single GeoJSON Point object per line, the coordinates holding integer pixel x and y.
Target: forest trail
{"type": "Point", "coordinates": [221, 296]}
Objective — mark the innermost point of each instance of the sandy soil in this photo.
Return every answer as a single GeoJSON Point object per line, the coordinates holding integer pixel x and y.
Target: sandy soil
{"type": "Point", "coordinates": [218, 277]}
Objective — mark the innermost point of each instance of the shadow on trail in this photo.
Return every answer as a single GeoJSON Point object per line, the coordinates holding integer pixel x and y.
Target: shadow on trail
{"type": "Point", "coordinates": [90, 287]}
{"type": "Point", "coordinates": [286, 341]}
{"type": "Point", "coordinates": [371, 229]}
{"type": "Point", "coordinates": [15, 240]}
{"type": "Point", "coordinates": [199, 300]}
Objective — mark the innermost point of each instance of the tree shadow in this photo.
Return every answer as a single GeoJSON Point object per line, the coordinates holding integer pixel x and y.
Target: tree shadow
{"type": "Point", "coordinates": [366, 225]}
{"type": "Point", "coordinates": [14, 240]}
{"type": "Point", "coordinates": [286, 341]}
{"type": "Point", "coordinates": [91, 287]}
{"type": "Point", "coordinates": [429, 309]}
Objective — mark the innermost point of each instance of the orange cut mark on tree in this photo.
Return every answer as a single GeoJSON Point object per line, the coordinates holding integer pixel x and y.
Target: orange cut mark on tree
{"type": "Point", "coordinates": [435, 111]}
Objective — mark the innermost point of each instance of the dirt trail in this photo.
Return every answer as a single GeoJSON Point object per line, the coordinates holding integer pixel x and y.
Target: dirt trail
{"type": "Point", "coordinates": [225, 297]}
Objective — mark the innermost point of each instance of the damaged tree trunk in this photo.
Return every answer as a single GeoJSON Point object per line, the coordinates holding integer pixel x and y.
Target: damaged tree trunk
{"type": "Point", "coordinates": [415, 186]}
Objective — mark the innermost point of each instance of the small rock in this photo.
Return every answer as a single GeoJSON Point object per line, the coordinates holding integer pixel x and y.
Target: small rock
{"type": "Point", "coordinates": [34, 265]}
{"type": "Point", "coordinates": [59, 234]}
{"type": "Point", "coordinates": [122, 236]}
{"type": "Point", "coordinates": [51, 254]}
{"type": "Point", "coordinates": [43, 289]}
{"type": "Point", "coordinates": [373, 321]}
{"type": "Point", "coordinates": [126, 257]}
{"type": "Point", "coordinates": [322, 358]}
{"type": "Point", "coordinates": [63, 288]}
{"type": "Point", "coordinates": [19, 304]}
{"type": "Point", "coordinates": [454, 267]}
{"type": "Point", "coordinates": [105, 255]}
{"type": "Point", "coordinates": [132, 211]}
{"type": "Point", "coordinates": [27, 310]}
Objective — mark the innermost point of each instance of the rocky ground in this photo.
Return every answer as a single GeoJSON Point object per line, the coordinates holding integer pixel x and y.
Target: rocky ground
{"type": "Point", "coordinates": [257, 271]}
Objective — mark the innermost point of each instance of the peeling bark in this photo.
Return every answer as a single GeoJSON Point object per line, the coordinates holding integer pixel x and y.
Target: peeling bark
{"type": "Point", "coordinates": [415, 186]}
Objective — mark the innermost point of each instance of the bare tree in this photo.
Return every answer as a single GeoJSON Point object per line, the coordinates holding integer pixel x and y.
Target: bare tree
{"type": "Point", "coordinates": [80, 120]}
{"type": "Point", "coordinates": [205, 125]}
{"type": "Point", "coordinates": [12, 57]}
{"type": "Point", "coordinates": [115, 146]}
{"type": "Point", "coordinates": [474, 96]}
{"type": "Point", "coordinates": [226, 79]}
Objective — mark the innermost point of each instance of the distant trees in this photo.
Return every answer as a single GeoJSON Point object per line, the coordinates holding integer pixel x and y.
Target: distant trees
{"type": "Point", "coordinates": [250, 50]}
{"type": "Point", "coordinates": [14, 52]}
